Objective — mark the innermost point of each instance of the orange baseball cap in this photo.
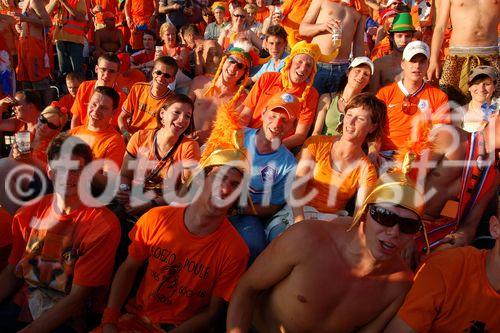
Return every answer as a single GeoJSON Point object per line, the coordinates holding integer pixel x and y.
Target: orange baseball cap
{"type": "Point", "coordinates": [287, 102]}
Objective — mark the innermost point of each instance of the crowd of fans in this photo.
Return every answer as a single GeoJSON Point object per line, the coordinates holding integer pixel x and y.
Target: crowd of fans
{"type": "Point", "coordinates": [249, 166]}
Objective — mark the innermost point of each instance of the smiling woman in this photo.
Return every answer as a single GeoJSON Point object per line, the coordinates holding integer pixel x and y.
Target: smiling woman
{"type": "Point", "coordinates": [167, 154]}
{"type": "Point", "coordinates": [339, 166]}
{"type": "Point", "coordinates": [331, 106]}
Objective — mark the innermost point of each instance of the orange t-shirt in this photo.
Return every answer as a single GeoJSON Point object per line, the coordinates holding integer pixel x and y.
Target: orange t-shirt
{"type": "Point", "coordinates": [85, 91]}
{"type": "Point", "coordinates": [65, 102]}
{"type": "Point", "coordinates": [184, 270]}
{"type": "Point", "coordinates": [452, 293]}
{"type": "Point", "coordinates": [262, 14]}
{"type": "Point", "coordinates": [330, 183]}
{"type": "Point", "coordinates": [78, 248]}
{"type": "Point", "coordinates": [126, 82]}
{"type": "Point", "coordinates": [142, 106]}
{"type": "Point", "coordinates": [429, 105]}
{"type": "Point", "coordinates": [293, 13]}
{"type": "Point", "coordinates": [140, 11]}
{"type": "Point", "coordinates": [107, 6]}
{"type": "Point", "coordinates": [107, 144]}
{"type": "Point", "coordinates": [141, 143]}
{"type": "Point", "coordinates": [268, 85]}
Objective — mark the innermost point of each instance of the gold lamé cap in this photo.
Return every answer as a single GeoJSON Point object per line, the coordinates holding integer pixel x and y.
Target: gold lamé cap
{"type": "Point", "coordinates": [231, 157]}
{"type": "Point", "coordinates": [395, 188]}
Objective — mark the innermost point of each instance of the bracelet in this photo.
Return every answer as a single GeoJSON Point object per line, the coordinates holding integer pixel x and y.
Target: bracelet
{"type": "Point", "coordinates": [110, 316]}
{"type": "Point", "coordinates": [126, 133]}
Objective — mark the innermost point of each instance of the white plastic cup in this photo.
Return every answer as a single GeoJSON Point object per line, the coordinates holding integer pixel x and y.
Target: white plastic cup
{"type": "Point", "coordinates": [337, 36]}
{"type": "Point", "coordinates": [23, 141]}
{"type": "Point", "coordinates": [158, 51]}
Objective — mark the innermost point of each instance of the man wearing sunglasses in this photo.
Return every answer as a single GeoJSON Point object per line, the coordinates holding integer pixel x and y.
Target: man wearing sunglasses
{"type": "Point", "coordinates": [146, 98]}
{"type": "Point", "coordinates": [226, 86]}
{"type": "Point", "coordinates": [340, 276]}
{"type": "Point", "coordinates": [296, 78]}
{"type": "Point", "coordinates": [106, 69]}
{"type": "Point", "coordinates": [411, 103]}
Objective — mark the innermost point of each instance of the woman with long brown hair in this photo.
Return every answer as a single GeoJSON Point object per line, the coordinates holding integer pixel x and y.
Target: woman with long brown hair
{"type": "Point", "coordinates": [168, 153]}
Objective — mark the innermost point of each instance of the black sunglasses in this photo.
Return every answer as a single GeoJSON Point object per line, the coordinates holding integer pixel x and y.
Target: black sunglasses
{"type": "Point", "coordinates": [238, 64]}
{"type": "Point", "coordinates": [389, 219]}
{"type": "Point", "coordinates": [159, 72]}
{"type": "Point", "coordinates": [239, 15]}
{"type": "Point", "coordinates": [44, 120]}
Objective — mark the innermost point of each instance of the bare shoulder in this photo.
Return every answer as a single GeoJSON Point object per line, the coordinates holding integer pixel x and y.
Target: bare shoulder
{"type": "Point", "coordinates": [313, 234]}
{"type": "Point", "coordinates": [199, 82]}
{"type": "Point", "coordinates": [317, 233]}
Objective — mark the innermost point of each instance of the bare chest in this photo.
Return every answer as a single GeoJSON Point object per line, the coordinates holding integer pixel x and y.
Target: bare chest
{"type": "Point", "coordinates": [347, 16]}
{"type": "Point", "coordinates": [474, 11]}
{"type": "Point", "coordinates": [323, 300]}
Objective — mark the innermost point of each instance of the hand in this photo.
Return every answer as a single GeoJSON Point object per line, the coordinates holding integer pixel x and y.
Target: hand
{"type": "Point", "coordinates": [459, 238]}
{"type": "Point", "coordinates": [276, 18]}
{"type": "Point", "coordinates": [199, 49]}
{"type": "Point", "coordinates": [410, 255]}
{"type": "Point", "coordinates": [434, 72]}
{"type": "Point", "coordinates": [6, 102]}
{"type": "Point", "coordinates": [176, 6]}
{"type": "Point", "coordinates": [18, 156]}
{"type": "Point", "coordinates": [330, 25]}
{"type": "Point", "coordinates": [109, 328]}
{"type": "Point", "coordinates": [123, 197]}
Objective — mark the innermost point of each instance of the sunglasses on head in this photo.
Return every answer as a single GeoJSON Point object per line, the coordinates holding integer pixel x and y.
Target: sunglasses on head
{"type": "Point", "coordinates": [389, 219]}
{"type": "Point", "coordinates": [233, 61]}
{"type": "Point", "coordinates": [44, 120]}
{"type": "Point", "coordinates": [159, 72]}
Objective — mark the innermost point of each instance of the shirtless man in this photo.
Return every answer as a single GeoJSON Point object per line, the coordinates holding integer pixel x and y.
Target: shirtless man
{"type": "Point", "coordinates": [32, 70]}
{"type": "Point", "coordinates": [289, 287]}
{"type": "Point", "coordinates": [320, 21]}
{"type": "Point", "coordinates": [109, 38]}
{"type": "Point", "coordinates": [227, 85]}
{"type": "Point", "coordinates": [388, 68]}
{"type": "Point", "coordinates": [474, 37]}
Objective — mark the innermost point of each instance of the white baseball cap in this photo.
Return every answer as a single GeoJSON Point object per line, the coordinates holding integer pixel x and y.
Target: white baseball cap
{"type": "Point", "coordinates": [414, 48]}
{"type": "Point", "coordinates": [360, 61]}
{"type": "Point", "coordinates": [390, 2]}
